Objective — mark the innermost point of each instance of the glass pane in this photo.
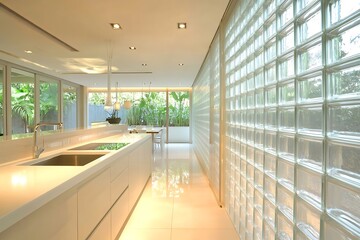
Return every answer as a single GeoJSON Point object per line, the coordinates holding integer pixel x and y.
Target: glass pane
{"type": "Point", "coordinates": [286, 68]}
{"type": "Point", "coordinates": [310, 58]}
{"type": "Point", "coordinates": [342, 204]}
{"type": "Point", "coordinates": [343, 121]}
{"type": "Point", "coordinates": [287, 93]}
{"type": "Point", "coordinates": [22, 101]}
{"type": "Point", "coordinates": [286, 15]}
{"type": "Point", "coordinates": [96, 102]}
{"type": "Point", "coordinates": [340, 9]}
{"type": "Point", "coordinates": [344, 162]}
{"type": "Point", "coordinates": [286, 40]}
{"type": "Point", "coordinates": [310, 89]}
{"type": "Point", "coordinates": [1, 101]}
{"type": "Point", "coordinates": [49, 102]}
{"type": "Point", "coordinates": [179, 109]}
{"type": "Point", "coordinates": [310, 120]}
{"type": "Point", "coordinates": [310, 153]}
{"type": "Point", "coordinates": [70, 107]}
{"type": "Point", "coordinates": [344, 83]}
{"type": "Point", "coordinates": [309, 25]}
{"type": "Point", "coordinates": [343, 44]}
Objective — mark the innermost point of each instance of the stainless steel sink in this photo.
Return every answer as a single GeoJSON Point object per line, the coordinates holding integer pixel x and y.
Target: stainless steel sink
{"type": "Point", "coordinates": [69, 160]}
{"type": "Point", "coordinates": [101, 146]}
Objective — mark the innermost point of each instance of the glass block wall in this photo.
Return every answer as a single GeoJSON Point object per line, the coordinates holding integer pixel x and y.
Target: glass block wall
{"type": "Point", "coordinates": [292, 116]}
{"type": "Point", "coordinates": [206, 116]}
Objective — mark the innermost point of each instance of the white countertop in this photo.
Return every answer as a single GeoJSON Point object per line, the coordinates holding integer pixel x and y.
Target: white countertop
{"type": "Point", "coordinates": [24, 188]}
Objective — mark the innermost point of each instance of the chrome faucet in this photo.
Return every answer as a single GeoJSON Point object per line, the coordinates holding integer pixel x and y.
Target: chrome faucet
{"type": "Point", "coordinates": [37, 149]}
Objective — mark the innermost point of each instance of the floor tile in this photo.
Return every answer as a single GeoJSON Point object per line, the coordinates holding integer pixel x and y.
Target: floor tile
{"type": "Point", "coordinates": [177, 202]}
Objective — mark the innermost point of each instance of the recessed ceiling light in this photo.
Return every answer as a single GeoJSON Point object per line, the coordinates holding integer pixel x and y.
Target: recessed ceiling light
{"type": "Point", "coordinates": [181, 64]}
{"type": "Point", "coordinates": [181, 25]}
{"type": "Point", "coordinates": [144, 64]}
{"type": "Point", "coordinates": [132, 48]}
{"type": "Point", "coordinates": [28, 51]}
{"type": "Point", "coordinates": [115, 26]}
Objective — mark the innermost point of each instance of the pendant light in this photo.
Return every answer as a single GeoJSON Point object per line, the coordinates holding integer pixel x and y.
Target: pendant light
{"type": "Point", "coordinates": [117, 103]}
{"type": "Point", "coordinates": [108, 103]}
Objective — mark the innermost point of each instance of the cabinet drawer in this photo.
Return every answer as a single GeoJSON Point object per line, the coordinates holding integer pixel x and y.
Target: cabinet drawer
{"type": "Point", "coordinates": [103, 230]}
{"type": "Point", "coordinates": [119, 166]}
{"type": "Point", "coordinates": [119, 185]}
{"type": "Point", "coordinates": [119, 213]}
{"type": "Point", "coordinates": [93, 203]}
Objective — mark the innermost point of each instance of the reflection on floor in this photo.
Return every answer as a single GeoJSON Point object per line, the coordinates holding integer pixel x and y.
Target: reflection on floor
{"type": "Point", "coordinates": [178, 203]}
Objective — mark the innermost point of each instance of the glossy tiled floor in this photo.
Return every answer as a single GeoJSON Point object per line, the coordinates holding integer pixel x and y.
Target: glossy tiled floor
{"type": "Point", "coordinates": [178, 204]}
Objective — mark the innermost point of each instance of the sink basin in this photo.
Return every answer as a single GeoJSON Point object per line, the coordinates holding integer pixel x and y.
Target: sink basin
{"type": "Point", "coordinates": [69, 160]}
{"type": "Point", "coordinates": [101, 146]}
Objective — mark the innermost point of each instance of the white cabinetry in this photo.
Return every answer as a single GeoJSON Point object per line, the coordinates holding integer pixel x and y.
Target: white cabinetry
{"type": "Point", "coordinates": [93, 203]}
{"type": "Point", "coordinates": [55, 220]}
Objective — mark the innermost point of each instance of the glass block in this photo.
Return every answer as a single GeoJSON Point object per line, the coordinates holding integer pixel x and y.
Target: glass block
{"type": "Point", "coordinates": [309, 24]}
{"type": "Point", "coordinates": [301, 4]}
{"type": "Point", "coordinates": [259, 79]}
{"type": "Point", "coordinates": [250, 122]}
{"type": "Point", "coordinates": [259, 159]}
{"type": "Point", "coordinates": [259, 139]}
{"type": "Point", "coordinates": [310, 89]}
{"type": "Point", "coordinates": [285, 16]}
{"type": "Point", "coordinates": [250, 99]}
{"type": "Point", "coordinates": [285, 202]}
{"type": "Point", "coordinates": [286, 146]}
{"type": "Point", "coordinates": [270, 142]}
{"type": "Point", "coordinates": [258, 201]}
{"type": "Point", "coordinates": [250, 191]}
{"type": "Point", "coordinates": [286, 68]}
{"type": "Point", "coordinates": [243, 119]}
{"type": "Point", "coordinates": [343, 42]}
{"type": "Point", "coordinates": [243, 151]}
{"type": "Point", "coordinates": [250, 174]}
{"type": "Point", "coordinates": [310, 152]}
{"type": "Point", "coordinates": [310, 120]}
{"type": "Point", "coordinates": [284, 228]}
{"type": "Point", "coordinates": [257, 226]}
{"type": "Point", "coordinates": [243, 101]}
{"type": "Point", "coordinates": [270, 29]}
{"type": "Point", "coordinates": [343, 161]}
{"type": "Point", "coordinates": [287, 119]}
{"type": "Point", "coordinates": [250, 154]}
{"type": "Point", "coordinates": [287, 93]}
{"type": "Point", "coordinates": [286, 40]}
{"type": "Point", "coordinates": [259, 118]}
{"type": "Point", "coordinates": [333, 232]}
{"type": "Point", "coordinates": [270, 189]}
{"type": "Point", "coordinates": [269, 8]}
{"type": "Point", "coordinates": [259, 59]}
{"type": "Point", "coordinates": [259, 40]}
{"type": "Point", "coordinates": [250, 65]}
{"type": "Point", "coordinates": [285, 174]}
{"type": "Point", "coordinates": [270, 50]}
{"type": "Point", "coordinates": [270, 97]}
{"type": "Point", "coordinates": [344, 83]}
{"type": "Point", "coordinates": [342, 204]}
{"type": "Point", "coordinates": [271, 118]}
{"type": "Point", "coordinates": [308, 220]}
{"type": "Point", "coordinates": [259, 98]}
{"type": "Point", "coordinates": [270, 74]}
{"type": "Point", "coordinates": [243, 165]}
{"type": "Point", "coordinates": [269, 213]}
{"type": "Point", "coordinates": [259, 179]}
{"type": "Point", "coordinates": [343, 121]}
{"type": "Point", "coordinates": [269, 233]}
{"type": "Point", "coordinates": [341, 9]}
{"type": "Point", "coordinates": [309, 186]}
{"type": "Point", "coordinates": [310, 58]}
{"type": "Point", "coordinates": [243, 86]}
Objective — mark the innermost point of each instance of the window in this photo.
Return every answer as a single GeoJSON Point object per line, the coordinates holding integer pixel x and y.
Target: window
{"type": "Point", "coordinates": [1, 101]}
{"type": "Point", "coordinates": [49, 101]}
{"type": "Point", "coordinates": [70, 107]}
{"type": "Point", "coordinates": [22, 101]}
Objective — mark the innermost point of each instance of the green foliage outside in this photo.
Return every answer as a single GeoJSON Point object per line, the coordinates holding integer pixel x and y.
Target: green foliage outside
{"type": "Point", "coordinates": [179, 110]}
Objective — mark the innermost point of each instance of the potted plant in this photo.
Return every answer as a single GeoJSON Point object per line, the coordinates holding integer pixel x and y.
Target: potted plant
{"type": "Point", "coordinates": [113, 116]}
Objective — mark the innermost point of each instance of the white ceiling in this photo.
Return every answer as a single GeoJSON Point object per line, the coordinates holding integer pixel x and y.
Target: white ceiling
{"type": "Point", "coordinates": [149, 25]}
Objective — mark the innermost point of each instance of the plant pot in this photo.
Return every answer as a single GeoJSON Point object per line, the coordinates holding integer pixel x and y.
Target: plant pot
{"type": "Point", "coordinates": [113, 120]}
